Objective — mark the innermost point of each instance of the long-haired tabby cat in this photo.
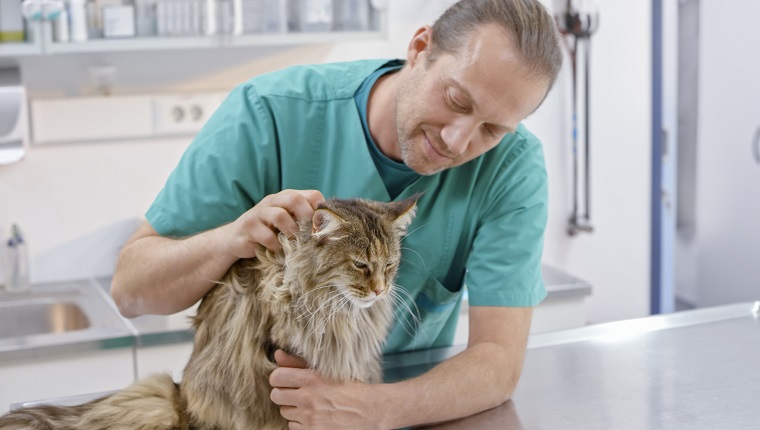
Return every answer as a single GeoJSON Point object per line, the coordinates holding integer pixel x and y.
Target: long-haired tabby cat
{"type": "Point", "coordinates": [326, 298]}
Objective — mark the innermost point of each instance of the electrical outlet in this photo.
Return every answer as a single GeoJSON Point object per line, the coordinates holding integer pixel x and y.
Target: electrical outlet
{"type": "Point", "coordinates": [183, 113]}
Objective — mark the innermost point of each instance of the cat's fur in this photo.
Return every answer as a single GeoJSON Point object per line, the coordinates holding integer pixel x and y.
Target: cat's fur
{"type": "Point", "coordinates": [315, 300]}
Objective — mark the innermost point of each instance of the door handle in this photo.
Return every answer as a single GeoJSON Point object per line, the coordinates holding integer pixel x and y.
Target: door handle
{"type": "Point", "coordinates": [756, 145]}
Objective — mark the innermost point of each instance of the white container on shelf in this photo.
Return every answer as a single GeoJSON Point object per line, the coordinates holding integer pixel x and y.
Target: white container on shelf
{"type": "Point", "coordinates": [119, 21]}
{"type": "Point", "coordinates": [311, 15]}
{"type": "Point", "coordinates": [352, 15]}
{"type": "Point", "coordinates": [11, 21]}
{"type": "Point", "coordinates": [276, 16]}
{"type": "Point", "coordinates": [254, 15]}
{"type": "Point", "coordinates": [237, 17]}
{"type": "Point", "coordinates": [78, 20]}
{"type": "Point", "coordinates": [61, 25]}
{"type": "Point", "coordinates": [145, 17]}
{"type": "Point", "coordinates": [209, 22]}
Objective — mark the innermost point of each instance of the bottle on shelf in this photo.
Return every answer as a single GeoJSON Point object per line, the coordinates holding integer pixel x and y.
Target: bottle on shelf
{"type": "Point", "coordinates": [145, 18]}
{"type": "Point", "coordinates": [352, 15]}
{"type": "Point", "coordinates": [62, 32]}
{"type": "Point", "coordinates": [311, 15]}
{"type": "Point", "coordinates": [276, 16]}
{"type": "Point", "coordinates": [78, 21]}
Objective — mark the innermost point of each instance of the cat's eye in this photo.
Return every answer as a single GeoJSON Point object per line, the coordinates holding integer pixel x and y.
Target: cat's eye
{"type": "Point", "coordinates": [359, 265]}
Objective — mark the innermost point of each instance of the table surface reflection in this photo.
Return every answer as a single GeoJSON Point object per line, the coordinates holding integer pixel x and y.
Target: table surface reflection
{"type": "Point", "coordinates": [695, 370]}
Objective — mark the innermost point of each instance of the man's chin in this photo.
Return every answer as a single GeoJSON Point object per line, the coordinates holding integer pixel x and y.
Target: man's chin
{"type": "Point", "coordinates": [426, 169]}
{"type": "Point", "coordinates": [420, 164]}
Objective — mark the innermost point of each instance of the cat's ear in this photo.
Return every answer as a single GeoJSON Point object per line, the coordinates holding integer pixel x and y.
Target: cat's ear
{"type": "Point", "coordinates": [403, 212]}
{"type": "Point", "coordinates": [325, 224]}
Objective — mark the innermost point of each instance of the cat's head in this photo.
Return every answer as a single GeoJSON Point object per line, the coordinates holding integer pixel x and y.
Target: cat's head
{"type": "Point", "coordinates": [353, 248]}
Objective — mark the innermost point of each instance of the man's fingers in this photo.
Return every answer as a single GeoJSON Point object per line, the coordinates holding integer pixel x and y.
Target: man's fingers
{"type": "Point", "coordinates": [288, 377]}
{"type": "Point", "coordinates": [314, 197]}
{"type": "Point", "coordinates": [290, 413]}
{"type": "Point", "coordinates": [300, 203]}
{"type": "Point", "coordinates": [283, 221]}
{"type": "Point", "coordinates": [286, 360]}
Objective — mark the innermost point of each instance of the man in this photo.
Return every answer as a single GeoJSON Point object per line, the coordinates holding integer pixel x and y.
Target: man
{"type": "Point", "coordinates": [446, 122]}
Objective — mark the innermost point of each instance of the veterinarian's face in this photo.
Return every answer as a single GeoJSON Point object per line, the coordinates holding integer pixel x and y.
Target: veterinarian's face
{"type": "Point", "coordinates": [457, 107]}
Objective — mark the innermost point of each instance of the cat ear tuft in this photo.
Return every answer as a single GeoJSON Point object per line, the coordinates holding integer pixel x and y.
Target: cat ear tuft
{"type": "Point", "coordinates": [403, 212]}
{"type": "Point", "coordinates": [325, 223]}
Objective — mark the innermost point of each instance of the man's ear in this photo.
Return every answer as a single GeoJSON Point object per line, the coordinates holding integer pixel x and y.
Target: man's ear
{"type": "Point", "coordinates": [325, 224]}
{"type": "Point", "coordinates": [419, 44]}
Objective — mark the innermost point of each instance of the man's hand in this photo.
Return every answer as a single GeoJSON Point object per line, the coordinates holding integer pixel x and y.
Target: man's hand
{"type": "Point", "coordinates": [309, 401]}
{"type": "Point", "coordinates": [275, 213]}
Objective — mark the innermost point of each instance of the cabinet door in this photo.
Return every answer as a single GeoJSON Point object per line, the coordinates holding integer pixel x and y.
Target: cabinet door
{"type": "Point", "coordinates": [728, 173]}
{"type": "Point", "coordinates": [56, 377]}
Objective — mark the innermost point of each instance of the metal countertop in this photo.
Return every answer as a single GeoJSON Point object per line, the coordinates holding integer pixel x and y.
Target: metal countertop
{"type": "Point", "coordinates": [110, 330]}
{"type": "Point", "coordinates": [695, 370]}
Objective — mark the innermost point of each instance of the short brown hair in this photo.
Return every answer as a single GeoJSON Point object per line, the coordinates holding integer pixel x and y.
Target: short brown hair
{"type": "Point", "coordinates": [533, 28]}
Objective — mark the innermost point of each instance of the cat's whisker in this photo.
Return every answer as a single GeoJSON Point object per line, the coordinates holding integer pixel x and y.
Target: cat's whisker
{"type": "Point", "coordinates": [328, 302]}
{"type": "Point", "coordinates": [412, 263]}
{"type": "Point", "coordinates": [399, 302]}
{"type": "Point", "coordinates": [412, 327]}
{"type": "Point", "coordinates": [302, 303]}
{"type": "Point", "coordinates": [315, 289]}
{"type": "Point", "coordinates": [410, 233]}
{"type": "Point", "coordinates": [399, 289]}
{"type": "Point", "coordinates": [311, 314]}
{"type": "Point", "coordinates": [416, 317]}
{"type": "Point", "coordinates": [418, 254]}
{"type": "Point", "coordinates": [324, 322]}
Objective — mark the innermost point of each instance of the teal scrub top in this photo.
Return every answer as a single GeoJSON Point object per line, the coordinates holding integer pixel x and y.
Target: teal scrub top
{"type": "Point", "coordinates": [479, 224]}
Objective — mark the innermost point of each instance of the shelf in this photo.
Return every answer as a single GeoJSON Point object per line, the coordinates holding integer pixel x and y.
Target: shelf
{"type": "Point", "coordinates": [133, 44]}
{"type": "Point", "coordinates": [9, 51]}
{"type": "Point", "coordinates": [42, 32]}
{"type": "Point", "coordinates": [299, 38]}
{"type": "Point", "coordinates": [164, 43]}
{"type": "Point", "coordinates": [19, 49]}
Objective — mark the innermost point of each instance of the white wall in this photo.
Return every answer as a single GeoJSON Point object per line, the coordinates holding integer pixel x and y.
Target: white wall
{"type": "Point", "coordinates": [78, 202]}
{"type": "Point", "coordinates": [615, 257]}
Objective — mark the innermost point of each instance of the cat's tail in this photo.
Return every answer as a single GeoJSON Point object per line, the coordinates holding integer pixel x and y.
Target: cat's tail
{"type": "Point", "coordinates": [152, 403]}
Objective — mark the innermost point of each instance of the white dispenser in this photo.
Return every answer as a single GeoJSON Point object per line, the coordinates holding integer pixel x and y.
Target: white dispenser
{"type": "Point", "coordinates": [16, 262]}
{"type": "Point", "coordinates": [14, 125]}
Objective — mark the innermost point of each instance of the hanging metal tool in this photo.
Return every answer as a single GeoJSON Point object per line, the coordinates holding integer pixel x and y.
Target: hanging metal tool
{"type": "Point", "coordinates": [577, 20]}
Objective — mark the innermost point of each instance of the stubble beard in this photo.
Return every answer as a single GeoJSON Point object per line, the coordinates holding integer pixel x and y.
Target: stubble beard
{"type": "Point", "coordinates": [408, 133]}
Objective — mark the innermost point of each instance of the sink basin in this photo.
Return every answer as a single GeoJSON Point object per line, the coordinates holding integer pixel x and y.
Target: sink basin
{"type": "Point", "coordinates": [29, 319]}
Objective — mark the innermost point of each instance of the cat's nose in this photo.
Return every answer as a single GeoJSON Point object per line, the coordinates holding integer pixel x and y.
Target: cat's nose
{"type": "Point", "coordinates": [378, 290]}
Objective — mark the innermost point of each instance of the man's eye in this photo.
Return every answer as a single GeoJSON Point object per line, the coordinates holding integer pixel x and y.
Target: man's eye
{"type": "Point", "coordinates": [453, 103]}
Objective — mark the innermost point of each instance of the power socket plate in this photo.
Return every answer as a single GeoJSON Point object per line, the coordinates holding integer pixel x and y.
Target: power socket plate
{"type": "Point", "coordinates": [183, 113]}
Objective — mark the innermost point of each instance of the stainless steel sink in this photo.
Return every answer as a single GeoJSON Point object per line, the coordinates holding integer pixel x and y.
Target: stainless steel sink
{"type": "Point", "coordinates": [58, 318]}
{"type": "Point", "coordinates": [41, 318]}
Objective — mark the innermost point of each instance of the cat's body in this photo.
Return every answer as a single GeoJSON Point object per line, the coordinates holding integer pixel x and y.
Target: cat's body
{"type": "Point", "coordinates": [327, 298]}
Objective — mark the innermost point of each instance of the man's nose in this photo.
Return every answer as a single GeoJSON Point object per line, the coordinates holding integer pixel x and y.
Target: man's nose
{"type": "Point", "coordinates": [457, 134]}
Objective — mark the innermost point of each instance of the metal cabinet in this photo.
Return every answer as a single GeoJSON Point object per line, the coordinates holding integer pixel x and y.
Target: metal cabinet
{"type": "Point", "coordinates": [727, 183]}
